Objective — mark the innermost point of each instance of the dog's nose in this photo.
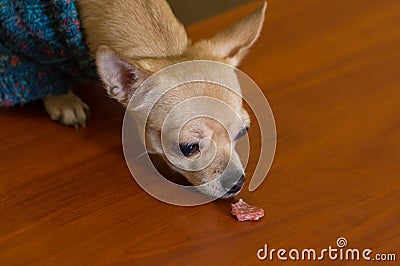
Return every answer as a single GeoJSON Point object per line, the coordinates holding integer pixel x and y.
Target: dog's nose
{"type": "Point", "coordinates": [237, 186]}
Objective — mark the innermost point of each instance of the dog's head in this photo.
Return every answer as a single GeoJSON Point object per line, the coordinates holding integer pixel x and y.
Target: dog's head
{"type": "Point", "coordinates": [193, 126]}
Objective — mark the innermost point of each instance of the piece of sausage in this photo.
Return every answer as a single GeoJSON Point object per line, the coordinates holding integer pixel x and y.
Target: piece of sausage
{"type": "Point", "coordinates": [246, 212]}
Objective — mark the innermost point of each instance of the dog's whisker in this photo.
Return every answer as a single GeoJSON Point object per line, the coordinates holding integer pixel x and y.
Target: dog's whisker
{"type": "Point", "coordinates": [140, 155]}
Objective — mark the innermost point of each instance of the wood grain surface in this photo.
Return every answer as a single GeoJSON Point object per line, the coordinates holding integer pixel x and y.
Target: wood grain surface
{"type": "Point", "coordinates": [331, 72]}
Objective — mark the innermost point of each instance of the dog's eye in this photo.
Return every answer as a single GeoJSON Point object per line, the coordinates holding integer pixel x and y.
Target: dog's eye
{"type": "Point", "coordinates": [242, 132]}
{"type": "Point", "coordinates": [189, 148]}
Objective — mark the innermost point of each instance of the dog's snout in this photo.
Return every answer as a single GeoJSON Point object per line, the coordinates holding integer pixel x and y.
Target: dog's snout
{"type": "Point", "coordinates": [236, 186]}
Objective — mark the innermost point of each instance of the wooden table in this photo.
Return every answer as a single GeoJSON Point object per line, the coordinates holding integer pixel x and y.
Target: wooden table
{"type": "Point", "coordinates": [331, 72]}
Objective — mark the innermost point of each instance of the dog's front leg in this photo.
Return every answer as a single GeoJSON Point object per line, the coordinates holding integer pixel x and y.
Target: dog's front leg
{"type": "Point", "coordinates": [68, 109]}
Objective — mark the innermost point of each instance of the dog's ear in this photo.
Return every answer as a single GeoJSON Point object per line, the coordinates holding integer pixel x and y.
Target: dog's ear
{"type": "Point", "coordinates": [233, 43]}
{"type": "Point", "coordinates": [121, 77]}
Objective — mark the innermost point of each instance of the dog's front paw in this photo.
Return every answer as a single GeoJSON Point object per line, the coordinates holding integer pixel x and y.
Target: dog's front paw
{"type": "Point", "coordinates": [68, 109]}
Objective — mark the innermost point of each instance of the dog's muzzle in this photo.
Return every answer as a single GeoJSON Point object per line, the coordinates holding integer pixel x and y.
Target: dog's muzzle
{"type": "Point", "coordinates": [234, 187]}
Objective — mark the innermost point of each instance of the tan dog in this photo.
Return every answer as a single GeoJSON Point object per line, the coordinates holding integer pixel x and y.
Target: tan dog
{"type": "Point", "coordinates": [131, 39]}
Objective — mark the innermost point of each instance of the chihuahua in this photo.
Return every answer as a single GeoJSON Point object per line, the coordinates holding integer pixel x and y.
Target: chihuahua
{"type": "Point", "coordinates": [132, 39]}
